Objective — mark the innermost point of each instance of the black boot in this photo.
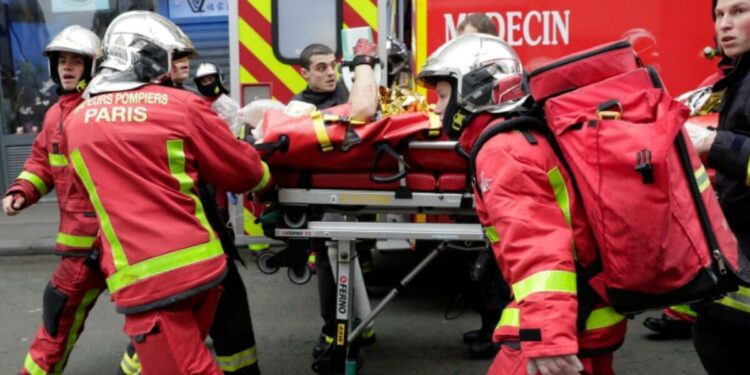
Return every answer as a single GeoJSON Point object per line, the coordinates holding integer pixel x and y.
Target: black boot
{"type": "Point", "coordinates": [669, 328]}
{"type": "Point", "coordinates": [477, 335]}
{"type": "Point", "coordinates": [483, 349]}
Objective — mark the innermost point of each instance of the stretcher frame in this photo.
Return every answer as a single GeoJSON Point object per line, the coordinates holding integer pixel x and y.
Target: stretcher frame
{"type": "Point", "coordinates": [341, 358]}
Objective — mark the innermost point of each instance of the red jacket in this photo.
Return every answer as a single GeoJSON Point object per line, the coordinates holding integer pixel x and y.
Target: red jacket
{"type": "Point", "coordinates": [45, 169]}
{"type": "Point", "coordinates": [139, 155]}
{"type": "Point", "coordinates": [538, 231]}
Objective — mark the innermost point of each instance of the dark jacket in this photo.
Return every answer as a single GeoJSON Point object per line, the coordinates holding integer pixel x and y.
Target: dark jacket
{"type": "Point", "coordinates": [730, 156]}
{"type": "Point", "coordinates": [324, 100]}
{"type": "Point", "coordinates": [730, 153]}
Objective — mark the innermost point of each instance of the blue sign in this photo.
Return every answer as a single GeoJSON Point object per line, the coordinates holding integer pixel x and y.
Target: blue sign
{"type": "Point", "coordinates": [198, 8]}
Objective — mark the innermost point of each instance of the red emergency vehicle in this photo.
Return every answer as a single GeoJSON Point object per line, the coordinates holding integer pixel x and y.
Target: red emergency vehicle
{"type": "Point", "coordinates": [267, 35]}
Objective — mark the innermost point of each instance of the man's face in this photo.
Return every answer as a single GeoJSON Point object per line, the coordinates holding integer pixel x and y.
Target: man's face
{"type": "Point", "coordinates": [70, 69]}
{"type": "Point", "coordinates": [733, 26]}
{"type": "Point", "coordinates": [180, 70]}
{"type": "Point", "coordinates": [443, 89]}
{"type": "Point", "coordinates": [321, 76]}
{"type": "Point", "coordinates": [207, 80]}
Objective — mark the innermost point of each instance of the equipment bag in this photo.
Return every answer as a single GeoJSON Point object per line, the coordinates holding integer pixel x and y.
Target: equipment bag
{"type": "Point", "coordinates": [661, 235]}
{"type": "Point", "coordinates": [330, 141]}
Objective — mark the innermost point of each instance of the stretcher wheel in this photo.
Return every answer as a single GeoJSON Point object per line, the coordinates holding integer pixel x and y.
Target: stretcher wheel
{"type": "Point", "coordinates": [295, 220]}
{"type": "Point", "coordinates": [299, 277]}
{"type": "Point", "coordinates": [264, 265]}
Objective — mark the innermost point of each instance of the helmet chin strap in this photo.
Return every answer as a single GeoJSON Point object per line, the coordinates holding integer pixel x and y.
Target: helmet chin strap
{"type": "Point", "coordinates": [455, 117]}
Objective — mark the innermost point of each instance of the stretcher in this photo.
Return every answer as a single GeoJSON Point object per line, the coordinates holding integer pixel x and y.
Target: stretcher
{"type": "Point", "coordinates": [326, 204]}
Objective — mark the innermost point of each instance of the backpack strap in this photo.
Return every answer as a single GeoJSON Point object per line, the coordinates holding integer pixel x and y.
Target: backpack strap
{"type": "Point", "coordinates": [587, 296]}
{"type": "Point", "coordinates": [522, 123]}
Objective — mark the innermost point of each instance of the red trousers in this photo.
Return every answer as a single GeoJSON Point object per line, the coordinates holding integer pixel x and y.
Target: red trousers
{"type": "Point", "coordinates": [169, 340]}
{"type": "Point", "coordinates": [510, 362]}
{"type": "Point", "coordinates": [68, 298]}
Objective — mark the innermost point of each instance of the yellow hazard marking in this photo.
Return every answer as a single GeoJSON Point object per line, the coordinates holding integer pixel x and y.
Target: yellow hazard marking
{"type": "Point", "coordinates": [264, 52]}
{"type": "Point", "coordinates": [421, 40]}
{"type": "Point", "coordinates": [263, 7]}
{"type": "Point", "coordinates": [247, 77]}
{"type": "Point", "coordinates": [367, 10]}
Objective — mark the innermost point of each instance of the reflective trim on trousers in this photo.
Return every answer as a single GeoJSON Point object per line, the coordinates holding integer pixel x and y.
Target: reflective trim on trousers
{"type": "Point", "coordinates": [237, 361]}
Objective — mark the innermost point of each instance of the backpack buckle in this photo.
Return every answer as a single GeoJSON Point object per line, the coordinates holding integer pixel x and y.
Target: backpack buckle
{"type": "Point", "coordinates": [609, 110]}
{"type": "Point", "coordinates": [644, 167]}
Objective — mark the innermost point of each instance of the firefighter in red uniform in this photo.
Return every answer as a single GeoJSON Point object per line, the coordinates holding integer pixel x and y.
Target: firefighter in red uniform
{"type": "Point", "coordinates": [232, 329]}
{"type": "Point", "coordinates": [139, 148]}
{"type": "Point", "coordinates": [532, 218]}
{"type": "Point", "coordinates": [77, 281]}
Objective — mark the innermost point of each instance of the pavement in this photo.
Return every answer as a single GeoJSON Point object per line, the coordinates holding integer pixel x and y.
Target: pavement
{"type": "Point", "coordinates": [31, 232]}
{"type": "Point", "coordinates": [414, 336]}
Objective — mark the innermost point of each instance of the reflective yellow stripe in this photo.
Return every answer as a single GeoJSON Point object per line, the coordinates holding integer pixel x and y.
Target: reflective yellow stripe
{"type": "Point", "coordinates": [600, 318]}
{"type": "Point", "coordinates": [747, 179]}
{"type": "Point", "coordinates": [176, 157]}
{"type": "Point", "coordinates": [545, 281]}
{"type": "Point", "coordinates": [561, 192]}
{"type": "Point", "coordinates": [35, 180]}
{"type": "Point", "coordinates": [435, 125]}
{"type": "Point", "coordinates": [79, 317]}
{"type": "Point", "coordinates": [511, 317]}
{"type": "Point", "coordinates": [163, 263]}
{"type": "Point", "coordinates": [737, 305]}
{"type": "Point", "coordinates": [562, 197]}
{"type": "Point", "coordinates": [368, 333]}
{"type": "Point", "coordinates": [739, 300]}
{"type": "Point", "coordinates": [120, 260]}
{"type": "Point", "coordinates": [684, 309]}
{"type": "Point", "coordinates": [264, 180]}
{"type": "Point", "coordinates": [603, 317]}
{"type": "Point", "coordinates": [57, 160]}
{"type": "Point", "coordinates": [83, 242]}
{"type": "Point", "coordinates": [31, 366]}
{"type": "Point", "coordinates": [253, 228]}
{"type": "Point", "coordinates": [491, 234]}
{"type": "Point", "coordinates": [237, 361]}
{"type": "Point", "coordinates": [320, 131]}
{"type": "Point", "coordinates": [702, 178]}
{"type": "Point", "coordinates": [367, 10]}
{"type": "Point", "coordinates": [130, 366]}
{"type": "Point", "coordinates": [743, 291]}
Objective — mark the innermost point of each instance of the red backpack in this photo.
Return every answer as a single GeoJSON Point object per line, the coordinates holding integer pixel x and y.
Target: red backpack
{"type": "Point", "coordinates": [661, 235]}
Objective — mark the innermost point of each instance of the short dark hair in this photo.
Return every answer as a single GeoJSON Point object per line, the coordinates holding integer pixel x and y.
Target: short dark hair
{"type": "Point", "coordinates": [479, 21]}
{"type": "Point", "coordinates": [312, 50]}
{"type": "Point", "coordinates": [713, 9]}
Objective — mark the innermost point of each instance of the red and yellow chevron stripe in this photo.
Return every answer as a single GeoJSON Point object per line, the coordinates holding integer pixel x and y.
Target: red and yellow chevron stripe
{"type": "Point", "coordinates": [258, 64]}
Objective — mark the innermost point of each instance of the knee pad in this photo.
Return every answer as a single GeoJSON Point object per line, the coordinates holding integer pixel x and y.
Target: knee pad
{"type": "Point", "coordinates": [54, 302]}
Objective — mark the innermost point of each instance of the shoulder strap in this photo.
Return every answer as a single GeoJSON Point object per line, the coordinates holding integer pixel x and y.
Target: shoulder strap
{"type": "Point", "coordinates": [588, 298]}
{"type": "Point", "coordinates": [522, 123]}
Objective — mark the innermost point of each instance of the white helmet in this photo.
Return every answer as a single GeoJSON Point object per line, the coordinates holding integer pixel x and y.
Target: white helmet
{"type": "Point", "coordinates": [214, 89]}
{"type": "Point", "coordinates": [138, 49]}
{"type": "Point", "coordinates": [78, 40]}
{"type": "Point", "coordinates": [485, 74]}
